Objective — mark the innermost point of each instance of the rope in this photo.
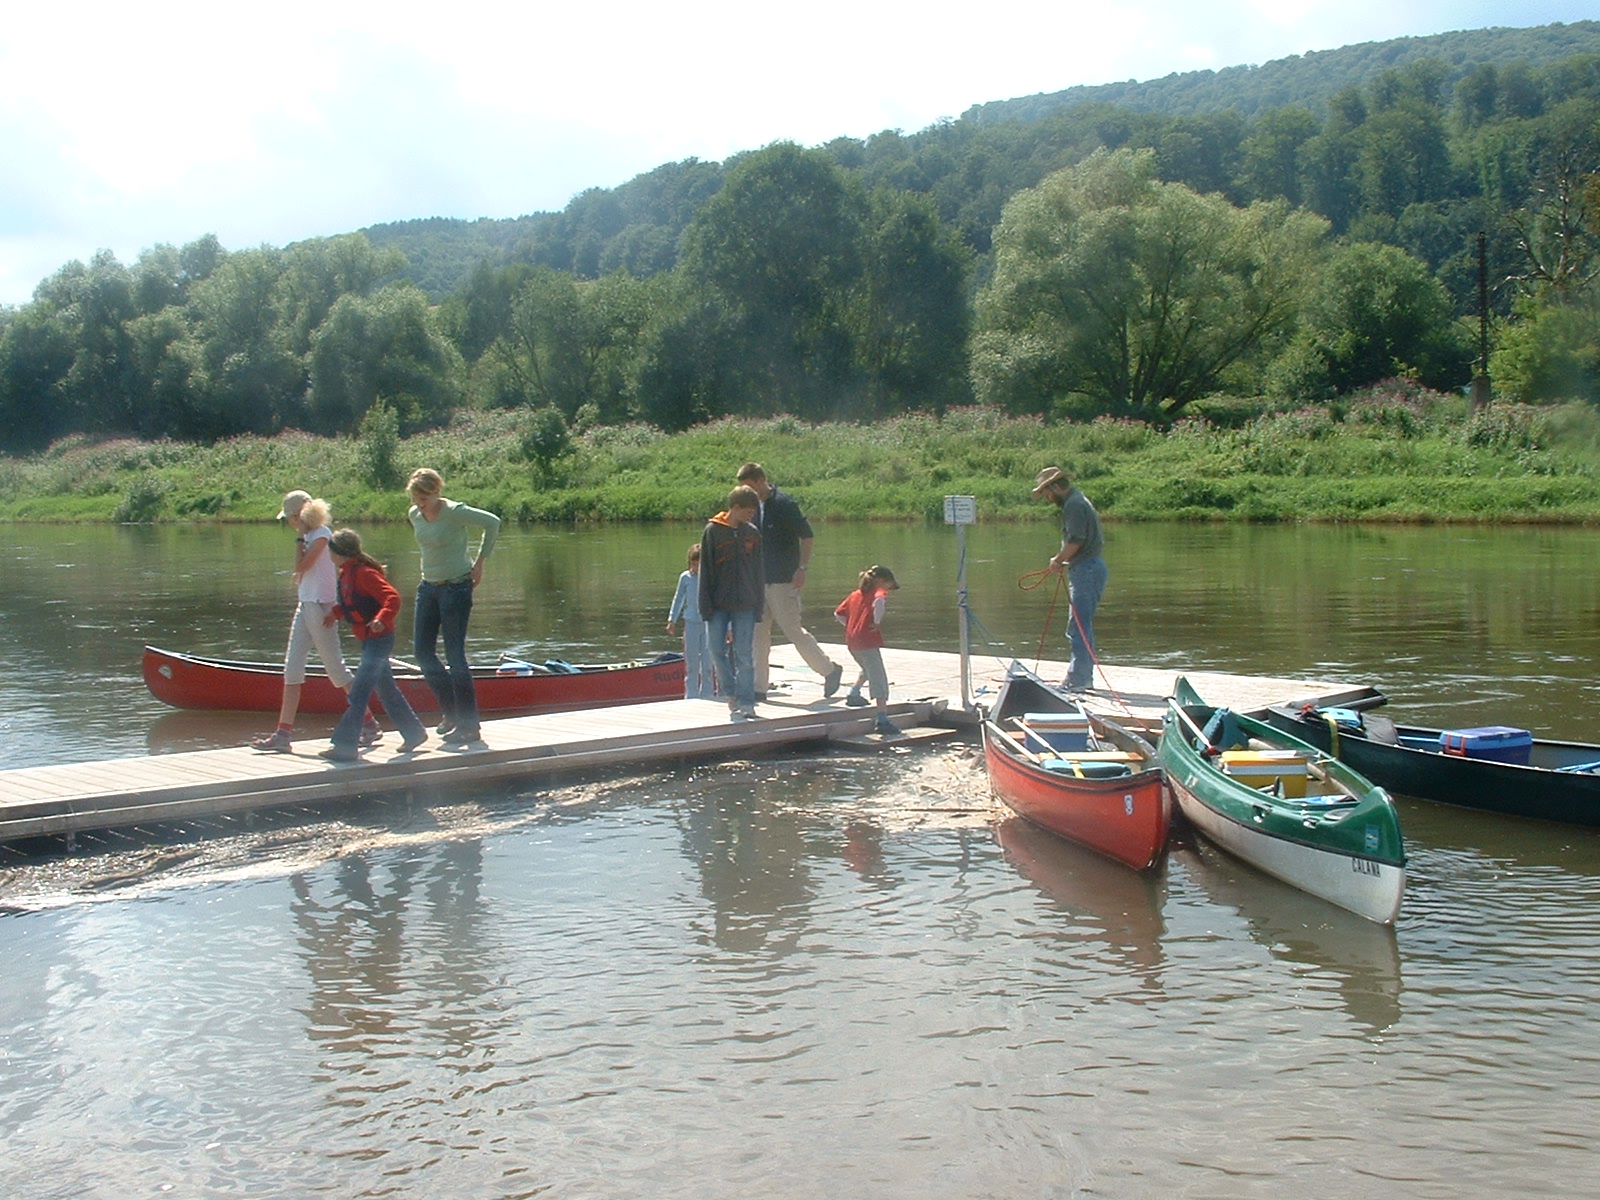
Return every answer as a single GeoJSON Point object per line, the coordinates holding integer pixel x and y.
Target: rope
{"type": "Point", "coordinates": [1030, 580]}
{"type": "Point", "coordinates": [1037, 578]}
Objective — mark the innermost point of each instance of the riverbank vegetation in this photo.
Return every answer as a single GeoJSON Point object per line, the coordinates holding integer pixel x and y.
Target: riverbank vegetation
{"type": "Point", "coordinates": [1392, 453]}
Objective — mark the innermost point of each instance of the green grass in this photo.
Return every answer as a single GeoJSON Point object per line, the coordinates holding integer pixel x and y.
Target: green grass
{"type": "Point", "coordinates": [1392, 454]}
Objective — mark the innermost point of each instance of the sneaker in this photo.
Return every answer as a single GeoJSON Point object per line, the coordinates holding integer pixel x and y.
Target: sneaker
{"type": "Point", "coordinates": [749, 713]}
{"type": "Point", "coordinates": [410, 744]}
{"type": "Point", "coordinates": [445, 727]}
{"type": "Point", "coordinates": [343, 754]}
{"type": "Point", "coordinates": [885, 727]}
{"type": "Point", "coordinates": [855, 700]}
{"type": "Point", "coordinates": [738, 714]}
{"type": "Point", "coordinates": [277, 740]}
{"type": "Point", "coordinates": [832, 680]}
{"type": "Point", "coordinates": [371, 734]}
{"type": "Point", "coordinates": [460, 737]}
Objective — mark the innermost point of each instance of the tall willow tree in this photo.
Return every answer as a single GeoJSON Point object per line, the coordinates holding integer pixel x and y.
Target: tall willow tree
{"type": "Point", "coordinates": [1127, 295]}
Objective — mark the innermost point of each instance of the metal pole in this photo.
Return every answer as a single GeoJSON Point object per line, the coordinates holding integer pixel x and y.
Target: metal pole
{"type": "Point", "coordinates": [961, 594]}
{"type": "Point", "coordinates": [1480, 379]}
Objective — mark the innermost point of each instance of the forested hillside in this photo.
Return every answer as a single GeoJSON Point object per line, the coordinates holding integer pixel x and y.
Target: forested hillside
{"type": "Point", "coordinates": [1309, 79]}
{"type": "Point", "coordinates": [1289, 232]}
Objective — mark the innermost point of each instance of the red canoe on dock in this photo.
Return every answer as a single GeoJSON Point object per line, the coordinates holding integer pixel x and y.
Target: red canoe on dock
{"type": "Point", "coordinates": [1076, 774]}
{"type": "Point", "coordinates": [193, 681]}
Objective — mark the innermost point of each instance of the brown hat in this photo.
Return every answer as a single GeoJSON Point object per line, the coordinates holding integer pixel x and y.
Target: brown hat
{"type": "Point", "coordinates": [293, 503]}
{"type": "Point", "coordinates": [1046, 477]}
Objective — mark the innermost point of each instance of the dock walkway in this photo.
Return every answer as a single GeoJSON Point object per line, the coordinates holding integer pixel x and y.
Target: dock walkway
{"type": "Point", "coordinates": [68, 798]}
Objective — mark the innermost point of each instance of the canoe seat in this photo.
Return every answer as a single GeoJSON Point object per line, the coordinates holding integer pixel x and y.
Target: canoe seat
{"type": "Point", "coordinates": [1088, 766]}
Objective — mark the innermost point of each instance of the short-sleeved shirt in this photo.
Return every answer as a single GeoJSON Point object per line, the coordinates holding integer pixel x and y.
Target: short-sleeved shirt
{"type": "Point", "coordinates": [320, 582]}
{"type": "Point", "coordinates": [783, 528]}
{"type": "Point", "coordinates": [1080, 526]}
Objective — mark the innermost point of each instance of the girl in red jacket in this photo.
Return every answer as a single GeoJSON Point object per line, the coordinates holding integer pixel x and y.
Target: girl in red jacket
{"type": "Point", "coordinates": [861, 614]}
{"type": "Point", "coordinates": [370, 603]}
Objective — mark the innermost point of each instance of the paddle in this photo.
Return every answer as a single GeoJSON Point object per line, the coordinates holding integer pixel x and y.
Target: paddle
{"type": "Point", "coordinates": [1209, 750]}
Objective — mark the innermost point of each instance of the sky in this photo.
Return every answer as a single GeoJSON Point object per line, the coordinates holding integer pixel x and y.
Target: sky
{"type": "Point", "coordinates": [123, 126]}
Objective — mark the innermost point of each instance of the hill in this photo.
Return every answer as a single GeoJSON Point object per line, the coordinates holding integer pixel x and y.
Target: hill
{"type": "Point", "coordinates": [971, 165]}
{"type": "Point", "coordinates": [1309, 79]}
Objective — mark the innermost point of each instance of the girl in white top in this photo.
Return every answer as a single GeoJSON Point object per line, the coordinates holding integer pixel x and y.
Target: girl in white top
{"type": "Point", "coordinates": [317, 588]}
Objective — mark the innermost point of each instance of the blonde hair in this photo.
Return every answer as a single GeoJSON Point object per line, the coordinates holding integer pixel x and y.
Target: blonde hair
{"type": "Point", "coordinates": [314, 513]}
{"type": "Point", "coordinates": [425, 481]}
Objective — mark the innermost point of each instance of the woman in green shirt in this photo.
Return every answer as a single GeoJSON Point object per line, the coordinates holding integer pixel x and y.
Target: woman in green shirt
{"type": "Point", "coordinates": [450, 571]}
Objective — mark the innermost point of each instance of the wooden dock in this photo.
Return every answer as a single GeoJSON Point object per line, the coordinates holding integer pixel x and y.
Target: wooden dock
{"type": "Point", "coordinates": [37, 801]}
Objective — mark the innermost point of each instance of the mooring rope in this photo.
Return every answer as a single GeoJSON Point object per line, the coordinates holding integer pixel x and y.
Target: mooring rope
{"type": "Point", "coordinates": [1030, 580]}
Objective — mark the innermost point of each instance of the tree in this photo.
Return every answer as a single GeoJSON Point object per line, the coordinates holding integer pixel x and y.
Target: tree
{"type": "Point", "coordinates": [385, 345]}
{"type": "Point", "coordinates": [1271, 155]}
{"type": "Point", "coordinates": [251, 379]}
{"type": "Point", "coordinates": [1376, 313]}
{"type": "Point", "coordinates": [1137, 296]}
{"type": "Point", "coordinates": [570, 343]}
{"type": "Point", "coordinates": [781, 247]}
{"type": "Point", "coordinates": [915, 317]}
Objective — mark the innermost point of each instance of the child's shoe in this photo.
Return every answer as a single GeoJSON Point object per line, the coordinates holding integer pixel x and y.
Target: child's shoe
{"type": "Point", "coordinates": [885, 726]}
{"type": "Point", "coordinates": [855, 699]}
{"type": "Point", "coordinates": [277, 740]}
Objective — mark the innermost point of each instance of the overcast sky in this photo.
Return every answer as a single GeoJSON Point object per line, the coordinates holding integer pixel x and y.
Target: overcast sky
{"type": "Point", "coordinates": [126, 125]}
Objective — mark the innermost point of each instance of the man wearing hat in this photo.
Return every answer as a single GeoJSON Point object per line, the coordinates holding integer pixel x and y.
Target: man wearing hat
{"type": "Point", "coordinates": [1086, 570]}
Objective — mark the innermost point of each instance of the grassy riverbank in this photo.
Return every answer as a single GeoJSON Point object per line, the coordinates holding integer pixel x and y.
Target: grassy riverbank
{"type": "Point", "coordinates": [1389, 455]}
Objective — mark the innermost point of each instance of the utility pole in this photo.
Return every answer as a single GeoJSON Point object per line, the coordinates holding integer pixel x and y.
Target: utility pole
{"type": "Point", "coordinates": [1480, 377]}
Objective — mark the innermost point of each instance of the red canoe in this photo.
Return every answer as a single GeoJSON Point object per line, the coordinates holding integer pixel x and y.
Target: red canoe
{"type": "Point", "coordinates": [1078, 775]}
{"type": "Point", "coordinates": [190, 681]}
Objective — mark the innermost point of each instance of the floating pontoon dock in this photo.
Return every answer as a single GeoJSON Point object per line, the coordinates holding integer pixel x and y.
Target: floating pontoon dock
{"type": "Point", "coordinates": [68, 798]}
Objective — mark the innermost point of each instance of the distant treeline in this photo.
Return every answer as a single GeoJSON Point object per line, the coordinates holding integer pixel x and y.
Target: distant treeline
{"type": "Point", "coordinates": [1122, 257]}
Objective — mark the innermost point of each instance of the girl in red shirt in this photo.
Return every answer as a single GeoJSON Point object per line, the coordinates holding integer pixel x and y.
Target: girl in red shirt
{"type": "Point", "coordinates": [861, 614]}
{"type": "Point", "coordinates": [370, 603]}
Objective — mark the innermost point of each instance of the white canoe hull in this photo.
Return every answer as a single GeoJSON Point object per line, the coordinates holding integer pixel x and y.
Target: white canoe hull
{"type": "Point", "coordinates": [1369, 889]}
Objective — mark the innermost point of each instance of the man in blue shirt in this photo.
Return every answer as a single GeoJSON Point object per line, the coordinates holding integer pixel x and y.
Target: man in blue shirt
{"type": "Point", "coordinates": [1079, 556]}
{"type": "Point", "coordinates": [786, 539]}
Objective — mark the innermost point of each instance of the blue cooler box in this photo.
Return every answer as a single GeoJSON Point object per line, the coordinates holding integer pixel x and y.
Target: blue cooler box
{"type": "Point", "coordinates": [1497, 743]}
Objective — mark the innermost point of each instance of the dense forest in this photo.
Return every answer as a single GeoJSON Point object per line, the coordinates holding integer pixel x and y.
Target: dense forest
{"type": "Point", "coordinates": [1292, 232]}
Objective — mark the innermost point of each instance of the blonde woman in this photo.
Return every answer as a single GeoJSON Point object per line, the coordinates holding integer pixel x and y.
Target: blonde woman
{"type": "Point", "coordinates": [450, 572]}
{"type": "Point", "coordinates": [316, 583]}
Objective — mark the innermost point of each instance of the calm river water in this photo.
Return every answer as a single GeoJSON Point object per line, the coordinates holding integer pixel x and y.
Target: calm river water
{"type": "Point", "coordinates": [811, 975]}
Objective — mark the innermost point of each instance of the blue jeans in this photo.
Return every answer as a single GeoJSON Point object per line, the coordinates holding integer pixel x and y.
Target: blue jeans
{"type": "Point", "coordinates": [736, 672]}
{"type": "Point", "coordinates": [444, 608]}
{"type": "Point", "coordinates": [1086, 583]}
{"type": "Point", "coordinates": [373, 674]}
{"type": "Point", "coordinates": [697, 681]}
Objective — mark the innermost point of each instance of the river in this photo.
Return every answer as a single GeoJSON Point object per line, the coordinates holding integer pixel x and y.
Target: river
{"type": "Point", "coordinates": [815, 974]}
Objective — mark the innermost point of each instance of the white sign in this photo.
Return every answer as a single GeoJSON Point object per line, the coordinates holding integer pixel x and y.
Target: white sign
{"type": "Point", "coordinates": [960, 510]}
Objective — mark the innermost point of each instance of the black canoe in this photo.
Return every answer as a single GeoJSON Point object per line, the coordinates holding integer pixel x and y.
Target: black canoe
{"type": "Point", "coordinates": [1561, 781]}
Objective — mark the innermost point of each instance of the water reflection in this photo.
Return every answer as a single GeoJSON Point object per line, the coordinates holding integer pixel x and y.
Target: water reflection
{"type": "Point", "coordinates": [1361, 959]}
{"type": "Point", "coordinates": [1114, 911]}
{"type": "Point", "coordinates": [748, 842]}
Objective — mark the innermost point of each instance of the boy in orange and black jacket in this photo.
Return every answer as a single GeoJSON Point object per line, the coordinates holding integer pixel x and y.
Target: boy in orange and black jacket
{"type": "Point", "coordinates": [733, 588]}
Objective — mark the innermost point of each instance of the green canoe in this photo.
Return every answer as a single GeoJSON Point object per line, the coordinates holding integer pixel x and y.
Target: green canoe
{"type": "Point", "coordinates": [1284, 806]}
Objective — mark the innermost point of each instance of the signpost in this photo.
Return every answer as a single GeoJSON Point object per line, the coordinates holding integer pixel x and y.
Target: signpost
{"type": "Point", "coordinates": [962, 511]}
